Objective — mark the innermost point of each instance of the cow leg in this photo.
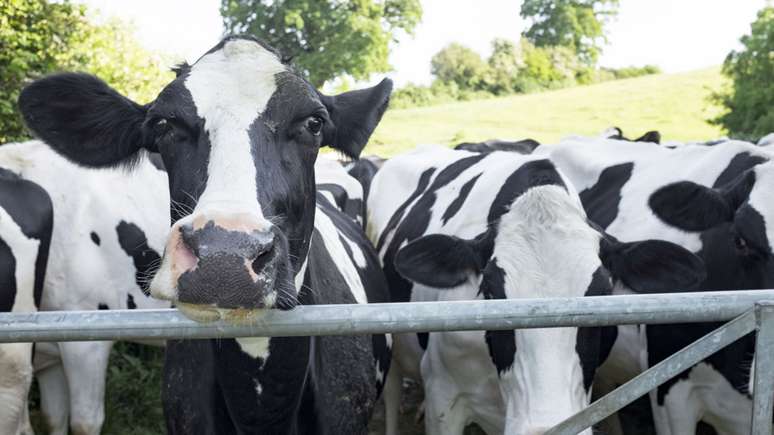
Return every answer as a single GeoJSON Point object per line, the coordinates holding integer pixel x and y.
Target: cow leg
{"type": "Point", "coordinates": [444, 412]}
{"type": "Point", "coordinates": [392, 394]}
{"type": "Point", "coordinates": [681, 411]}
{"type": "Point", "coordinates": [85, 364]}
{"type": "Point", "coordinates": [54, 397]}
{"type": "Point", "coordinates": [16, 369]}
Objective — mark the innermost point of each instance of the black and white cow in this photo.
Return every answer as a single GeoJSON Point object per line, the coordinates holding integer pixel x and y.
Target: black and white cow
{"type": "Point", "coordinates": [455, 225]}
{"type": "Point", "coordinates": [524, 146]}
{"type": "Point", "coordinates": [616, 133]}
{"type": "Point", "coordinates": [109, 227]}
{"type": "Point", "coordinates": [26, 219]}
{"type": "Point", "coordinates": [715, 201]}
{"type": "Point", "coordinates": [238, 132]}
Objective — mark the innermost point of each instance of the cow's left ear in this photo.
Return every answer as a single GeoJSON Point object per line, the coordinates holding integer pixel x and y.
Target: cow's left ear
{"type": "Point", "coordinates": [354, 117]}
{"type": "Point", "coordinates": [652, 266]}
{"type": "Point", "coordinates": [694, 207]}
{"type": "Point", "coordinates": [442, 261]}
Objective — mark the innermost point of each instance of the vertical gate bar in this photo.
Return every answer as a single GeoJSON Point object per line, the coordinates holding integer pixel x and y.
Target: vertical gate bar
{"type": "Point", "coordinates": [763, 389]}
{"type": "Point", "coordinates": [657, 375]}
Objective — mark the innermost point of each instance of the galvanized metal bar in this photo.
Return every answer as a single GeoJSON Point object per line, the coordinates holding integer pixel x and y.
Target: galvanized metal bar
{"type": "Point", "coordinates": [764, 369]}
{"type": "Point", "coordinates": [373, 318]}
{"type": "Point", "coordinates": [657, 375]}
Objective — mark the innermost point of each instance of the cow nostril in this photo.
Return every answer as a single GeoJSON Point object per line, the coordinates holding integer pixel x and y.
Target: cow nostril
{"type": "Point", "coordinates": [264, 252]}
{"type": "Point", "coordinates": [188, 239]}
{"type": "Point", "coordinates": [260, 262]}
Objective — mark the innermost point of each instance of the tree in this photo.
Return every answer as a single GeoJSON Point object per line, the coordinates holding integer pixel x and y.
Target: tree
{"type": "Point", "coordinates": [577, 24]}
{"type": "Point", "coordinates": [38, 37]}
{"type": "Point", "coordinates": [459, 64]}
{"type": "Point", "coordinates": [326, 39]}
{"type": "Point", "coordinates": [750, 101]}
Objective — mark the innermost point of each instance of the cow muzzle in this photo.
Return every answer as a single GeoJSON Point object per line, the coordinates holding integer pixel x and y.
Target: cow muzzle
{"type": "Point", "coordinates": [228, 265]}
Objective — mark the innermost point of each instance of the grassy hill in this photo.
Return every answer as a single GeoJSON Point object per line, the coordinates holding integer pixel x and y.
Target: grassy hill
{"type": "Point", "coordinates": [675, 104]}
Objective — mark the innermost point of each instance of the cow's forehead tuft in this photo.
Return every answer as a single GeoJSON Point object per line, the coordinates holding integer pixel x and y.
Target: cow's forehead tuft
{"type": "Point", "coordinates": [234, 83]}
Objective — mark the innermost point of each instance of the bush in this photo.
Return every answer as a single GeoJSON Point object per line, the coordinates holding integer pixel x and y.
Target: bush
{"type": "Point", "coordinates": [38, 37]}
{"type": "Point", "coordinates": [749, 103]}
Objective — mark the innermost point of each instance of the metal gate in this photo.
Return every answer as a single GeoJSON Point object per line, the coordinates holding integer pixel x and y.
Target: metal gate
{"type": "Point", "coordinates": [746, 311]}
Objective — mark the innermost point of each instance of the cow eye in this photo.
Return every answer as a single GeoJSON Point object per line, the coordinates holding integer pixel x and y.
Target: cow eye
{"type": "Point", "coordinates": [742, 248]}
{"type": "Point", "coordinates": [314, 124]}
{"type": "Point", "coordinates": [161, 126]}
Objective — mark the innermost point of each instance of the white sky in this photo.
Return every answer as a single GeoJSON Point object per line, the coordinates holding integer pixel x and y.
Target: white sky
{"type": "Point", "coordinates": [676, 35]}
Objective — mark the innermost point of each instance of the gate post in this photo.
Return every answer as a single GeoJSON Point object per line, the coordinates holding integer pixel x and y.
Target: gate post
{"type": "Point", "coordinates": [763, 393]}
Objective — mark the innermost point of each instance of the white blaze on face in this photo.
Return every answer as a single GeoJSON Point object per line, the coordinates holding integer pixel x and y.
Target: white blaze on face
{"type": "Point", "coordinates": [230, 89]}
{"type": "Point", "coordinates": [546, 249]}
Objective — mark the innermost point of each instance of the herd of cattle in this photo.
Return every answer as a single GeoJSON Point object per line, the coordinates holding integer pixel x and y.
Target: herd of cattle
{"type": "Point", "coordinates": [228, 156]}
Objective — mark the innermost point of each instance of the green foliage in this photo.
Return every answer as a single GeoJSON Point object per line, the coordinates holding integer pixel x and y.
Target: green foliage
{"type": "Point", "coordinates": [326, 39]}
{"type": "Point", "coordinates": [31, 34]}
{"type": "Point", "coordinates": [749, 103]}
{"type": "Point", "coordinates": [460, 65]}
{"type": "Point", "coordinates": [461, 74]}
{"type": "Point", "coordinates": [38, 37]}
{"type": "Point", "coordinates": [576, 24]}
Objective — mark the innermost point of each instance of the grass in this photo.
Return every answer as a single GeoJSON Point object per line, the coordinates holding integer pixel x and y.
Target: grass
{"type": "Point", "coordinates": [675, 104]}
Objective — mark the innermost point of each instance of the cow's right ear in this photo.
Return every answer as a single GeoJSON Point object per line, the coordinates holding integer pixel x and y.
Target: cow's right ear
{"type": "Point", "coordinates": [441, 261]}
{"type": "Point", "coordinates": [694, 207]}
{"type": "Point", "coordinates": [83, 118]}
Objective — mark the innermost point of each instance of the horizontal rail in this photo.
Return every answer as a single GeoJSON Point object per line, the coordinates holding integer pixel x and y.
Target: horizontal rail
{"type": "Point", "coordinates": [375, 318]}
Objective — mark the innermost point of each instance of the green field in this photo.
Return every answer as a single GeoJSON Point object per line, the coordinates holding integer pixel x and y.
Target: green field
{"type": "Point", "coordinates": [675, 104]}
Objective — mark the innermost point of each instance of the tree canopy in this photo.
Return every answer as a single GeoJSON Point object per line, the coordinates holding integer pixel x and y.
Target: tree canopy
{"type": "Point", "coordinates": [750, 101]}
{"type": "Point", "coordinates": [577, 24]}
{"type": "Point", "coordinates": [326, 39]}
{"type": "Point", "coordinates": [38, 37]}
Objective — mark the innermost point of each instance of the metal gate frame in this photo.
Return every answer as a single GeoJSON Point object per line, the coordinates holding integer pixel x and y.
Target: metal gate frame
{"type": "Point", "coordinates": [747, 310]}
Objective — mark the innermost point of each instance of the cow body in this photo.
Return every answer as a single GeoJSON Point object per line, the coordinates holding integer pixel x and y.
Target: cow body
{"type": "Point", "coordinates": [26, 219]}
{"type": "Point", "coordinates": [455, 225]}
{"type": "Point", "coordinates": [239, 132]}
{"type": "Point", "coordinates": [107, 236]}
{"type": "Point", "coordinates": [524, 146]}
{"type": "Point", "coordinates": [714, 201]}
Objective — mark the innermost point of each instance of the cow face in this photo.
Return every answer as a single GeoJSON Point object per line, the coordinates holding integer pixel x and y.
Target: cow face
{"type": "Point", "coordinates": [239, 132]}
{"type": "Point", "coordinates": [734, 219]}
{"type": "Point", "coordinates": [544, 247]}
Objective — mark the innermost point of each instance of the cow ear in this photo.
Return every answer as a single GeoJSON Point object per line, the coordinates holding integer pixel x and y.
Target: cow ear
{"type": "Point", "coordinates": [652, 266]}
{"type": "Point", "coordinates": [693, 207]}
{"type": "Point", "coordinates": [354, 117]}
{"type": "Point", "coordinates": [652, 136]}
{"type": "Point", "coordinates": [439, 261]}
{"type": "Point", "coordinates": [83, 118]}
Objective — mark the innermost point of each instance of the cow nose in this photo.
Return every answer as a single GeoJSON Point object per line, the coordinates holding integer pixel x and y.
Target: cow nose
{"type": "Point", "coordinates": [212, 240]}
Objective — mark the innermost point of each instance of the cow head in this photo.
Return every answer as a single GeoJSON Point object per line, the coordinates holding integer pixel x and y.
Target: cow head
{"type": "Point", "coordinates": [239, 132]}
{"type": "Point", "coordinates": [544, 246]}
{"type": "Point", "coordinates": [735, 219]}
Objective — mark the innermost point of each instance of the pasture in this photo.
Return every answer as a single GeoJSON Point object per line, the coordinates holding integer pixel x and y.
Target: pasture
{"type": "Point", "coordinates": [675, 104]}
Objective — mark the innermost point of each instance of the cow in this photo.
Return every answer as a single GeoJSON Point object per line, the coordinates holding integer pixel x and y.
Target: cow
{"type": "Point", "coordinates": [766, 140]}
{"type": "Point", "coordinates": [26, 220]}
{"type": "Point", "coordinates": [714, 201]}
{"type": "Point", "coordinates": [108, 232]}
{"type": "Point", "coordinates": [239, 131]}
{"type": "Point", "coordinates": [616, 133]}
{"type": "Point", "coordinates": [524, 146]}
{"type": "Point", "coordinates": [456, 225]}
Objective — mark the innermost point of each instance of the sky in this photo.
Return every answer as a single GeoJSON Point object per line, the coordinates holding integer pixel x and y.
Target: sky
{"type": "Point", "coordinates": [675, 35]}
